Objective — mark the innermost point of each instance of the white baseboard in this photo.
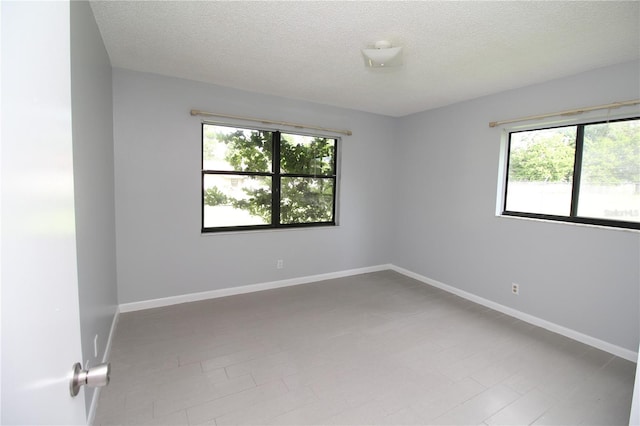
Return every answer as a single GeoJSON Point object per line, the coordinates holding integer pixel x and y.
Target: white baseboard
{"type": "Point", "coordinates": [105, 358]}
{"type": "Point", "coordinates": [194, 297]}
{"type": "Point", "coordinates": [567, 332]}
{"type": "Point", "coordinates": [231, 291]}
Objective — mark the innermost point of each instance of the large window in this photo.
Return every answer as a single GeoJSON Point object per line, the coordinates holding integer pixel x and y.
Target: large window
{"type": "Point", "coordinates": [253, 179]}
{"type": "Point", "coordinates": [586, 173]}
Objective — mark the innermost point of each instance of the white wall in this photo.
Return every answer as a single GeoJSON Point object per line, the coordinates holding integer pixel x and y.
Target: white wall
{"type": "Point", "coordinates": [92, 109]}
{"type": "Point", "coordinates": [160, 250]}
{"type": "Point", "coordinates": [583, 278]}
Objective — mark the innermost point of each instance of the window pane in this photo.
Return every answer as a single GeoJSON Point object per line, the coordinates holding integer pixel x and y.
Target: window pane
{"type": "Point", "coordinates": [610, 179]}
{"type": "Point", "coordinates": [233, 149]}
{"type": "Point", "coordinates": [306, 200]}
{"type": "Point", "coordinates": [306, 155]}
{"type": "Point", "coordinates": [235, 200]}
{"type": "Point", "coordinates": [541, 171]}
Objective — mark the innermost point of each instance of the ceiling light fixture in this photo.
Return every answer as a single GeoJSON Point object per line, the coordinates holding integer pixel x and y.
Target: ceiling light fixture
{"type": "Point", "coordinates": [383, 55]}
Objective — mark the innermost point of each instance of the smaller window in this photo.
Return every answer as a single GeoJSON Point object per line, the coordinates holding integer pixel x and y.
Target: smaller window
{"type": "Point", "coordinates": [254, 179]}
{"type": "Point", "coordinates": [586, 173]}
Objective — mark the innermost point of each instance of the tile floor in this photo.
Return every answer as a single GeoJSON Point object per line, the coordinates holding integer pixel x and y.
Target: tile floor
{"type": "Point", "coordinates": [377, 348]}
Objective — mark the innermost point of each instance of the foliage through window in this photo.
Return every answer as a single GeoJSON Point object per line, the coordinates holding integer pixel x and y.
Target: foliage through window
{"type": "Point", "coordinates": [254, 179]}
{"type": "Point", "coordinates": [586, 173]}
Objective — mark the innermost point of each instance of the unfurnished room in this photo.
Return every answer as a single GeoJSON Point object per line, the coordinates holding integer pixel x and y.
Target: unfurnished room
{"type": "Point", "coordinates": [320, 212]}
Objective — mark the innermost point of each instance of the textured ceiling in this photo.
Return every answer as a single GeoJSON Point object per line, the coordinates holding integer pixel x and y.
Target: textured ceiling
{"type": "Point", "coordinates": [453, 51]}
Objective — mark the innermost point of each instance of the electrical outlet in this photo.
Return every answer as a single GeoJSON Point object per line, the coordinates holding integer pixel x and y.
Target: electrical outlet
{"type": "Point", "coordinates": [95, 346]}
{"type": "Point", "coordinates": [280, 264]}
{"type": "Point", "coordinates": [515, 289]}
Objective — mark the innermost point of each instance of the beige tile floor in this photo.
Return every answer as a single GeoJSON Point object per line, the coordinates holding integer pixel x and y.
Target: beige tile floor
{"type": "Point", "coordinates": [377, 348]}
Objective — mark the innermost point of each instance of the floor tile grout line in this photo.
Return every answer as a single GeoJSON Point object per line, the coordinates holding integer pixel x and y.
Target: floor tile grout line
{"type": "Point", "coordinates": [186, 408]}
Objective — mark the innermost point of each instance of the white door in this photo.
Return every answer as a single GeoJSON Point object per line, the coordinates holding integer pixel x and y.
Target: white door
{"type": "Point", "coordinates": [40, 320]}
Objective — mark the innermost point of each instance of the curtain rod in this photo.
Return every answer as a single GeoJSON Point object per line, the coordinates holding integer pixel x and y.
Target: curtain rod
{"type": "Point", "coordinates": [279, 123]}
{"type": "Point", "coordinates": [567, 112]}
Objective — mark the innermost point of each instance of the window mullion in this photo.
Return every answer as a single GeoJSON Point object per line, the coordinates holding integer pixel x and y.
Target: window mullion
{"type": "Point", "coordinates": [577, 170]}
{"type": "Point", "coordinates": [335, 179]}
{"type": "Point", "coordinates": [276, 182]}
{"type": "Point", "coordinates": [202, 190]}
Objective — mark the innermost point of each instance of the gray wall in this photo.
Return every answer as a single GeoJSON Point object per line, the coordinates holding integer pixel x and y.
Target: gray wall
{"type": "Point", "coordinates": [92, 109]}
{"type": "Point", "coordinates": [418, 192]}
{"type": "Point", "coordinates": [160, 250]}
{"type": "Point", "coordinates": [583, 278]}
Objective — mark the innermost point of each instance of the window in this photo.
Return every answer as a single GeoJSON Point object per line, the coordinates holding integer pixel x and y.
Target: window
{"type": "Point", "coordinates": [586, 173]}
{"type": "Point", "coordinates": [254, 179]}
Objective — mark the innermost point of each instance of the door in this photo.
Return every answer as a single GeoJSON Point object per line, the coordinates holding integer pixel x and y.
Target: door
{"type": "Point", "coordinates": [40, 312]}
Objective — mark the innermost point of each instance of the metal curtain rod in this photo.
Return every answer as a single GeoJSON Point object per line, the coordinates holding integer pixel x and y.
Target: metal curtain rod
{"type": "Point", "coordinates": [567, 112]}
{"type": "Point", "coordinates": [279, 123]}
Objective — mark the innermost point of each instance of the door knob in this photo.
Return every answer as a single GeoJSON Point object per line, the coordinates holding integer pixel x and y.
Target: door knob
{"type": "Point", "coordinates": [94, 377]}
